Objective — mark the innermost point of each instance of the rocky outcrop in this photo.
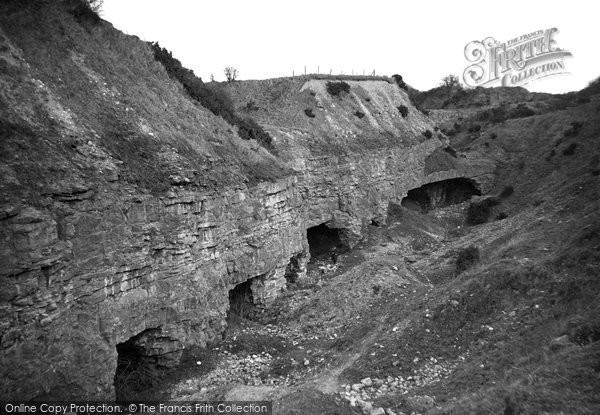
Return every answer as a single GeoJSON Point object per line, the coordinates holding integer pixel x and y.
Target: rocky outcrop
{"type": "Point", "coordinates": [127, 212]}
{"type": "Point", "coordinates": [73, 287]}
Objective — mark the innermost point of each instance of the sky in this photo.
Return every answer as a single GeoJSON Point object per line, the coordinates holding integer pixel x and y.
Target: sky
{"type": "Point", "coordinates": [421, 40]}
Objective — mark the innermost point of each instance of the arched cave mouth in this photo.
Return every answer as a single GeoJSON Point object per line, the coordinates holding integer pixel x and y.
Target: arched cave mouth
{"type": "Point", "coordinates": [140, 365]}
{"type": "Point", "coordinates": [241, 301]}
{"type": "Point", "coordinates": [324, 242]}
{"type": "Point", "coordinates": [440, 194]}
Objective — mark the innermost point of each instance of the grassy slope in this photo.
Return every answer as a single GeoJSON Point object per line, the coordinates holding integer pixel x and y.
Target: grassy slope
{"type": "Point", "coordinates": [538, 280]}
{"type": "Point", "coordinates": [280, 105]}
{"type": "Point", "coordinates": [122, 107]}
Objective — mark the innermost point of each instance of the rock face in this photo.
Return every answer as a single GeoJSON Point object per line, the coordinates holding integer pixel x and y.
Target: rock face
{"type": "Point", "coordinates": [129, 212]}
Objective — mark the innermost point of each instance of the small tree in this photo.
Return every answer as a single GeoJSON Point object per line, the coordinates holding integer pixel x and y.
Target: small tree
{"type": "Point", "coordinates": [231, 74]}
{"type": "Point", "coordinates": [450, 81]}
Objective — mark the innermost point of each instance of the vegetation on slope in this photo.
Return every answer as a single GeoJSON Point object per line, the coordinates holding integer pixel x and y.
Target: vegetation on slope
{"type": "Point", "coordinates": [213, 98]}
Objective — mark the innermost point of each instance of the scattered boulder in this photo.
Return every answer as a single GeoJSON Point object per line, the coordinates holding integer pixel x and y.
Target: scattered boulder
{"type": "Point", "coordinates": [357, 387]}
{"type": "Point", "coordinates": [560, 343]}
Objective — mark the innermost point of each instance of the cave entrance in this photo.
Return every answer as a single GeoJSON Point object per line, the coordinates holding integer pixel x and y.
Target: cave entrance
{"type": "Point", "coordinates": [295, 269]}
{"type": "Point", "coordinates": [440, 194]}
{"type": "Point", "coordinates": [324, 242]}
{"type": "Point", "coordinates": [138, 370]}
{"type": "Point", "coordinates": [241, 300]}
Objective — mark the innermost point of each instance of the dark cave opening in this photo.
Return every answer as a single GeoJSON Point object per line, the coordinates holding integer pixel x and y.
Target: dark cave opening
{"type": "Point", "coordinates": [137, 371]}
{"type": "Point", "coordinates": [241, 301]}
{"type": "Point", "coordinates": [440, 194]}
{"type": "Point", "coordinates": [293, 269]}
{"type": "Point", "coordinates": [324, 242]}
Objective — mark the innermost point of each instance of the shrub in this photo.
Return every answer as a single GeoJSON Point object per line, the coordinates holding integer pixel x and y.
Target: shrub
{"type": "Point", "coordinates": [251, 106]}
{"type": "Point", "coordinates": [507, 191]}
{"type": "Point", "coordinates": [335, 88]}
{"type": "Point", "coordinates": [494, 115]}
{"type": "Point", "coordinates": [521, 111]}
{"type": "Point", "coordinates": [570, 150]}
{"type": "Point", "coordinates": [466, 258]}
{"type": "Point", "coordinates": [501, 216]}
{"type": "Point", "coordinates": [248, 129]}
{"type": "Point", "coordinates": [400, 82]}
{"type": "Point", "coordinates": [368, 99]}
{"type": "Point", "coordinates": [450, 151]}
{"type": "Point", "coordinates": [583, 100]}
{"type": "Point", "coordinates": [550, 155]}
{"type": "Point", "coordinates": [427, 134]}
{"type": "Point", "coordinates": [474, 128]}
{"type": "Point", "coordinates": [403, 109]}
{"type": "Point", "coordinates": [87, 11]}
{"type": "Point", "coordinates": [309, 113]}
{"type": "Point", "coordinates": [493, 136]}
{"type": "Point", "coordinates": [359, 114]}
{"type": "Point", "coordinates": [479, 212]}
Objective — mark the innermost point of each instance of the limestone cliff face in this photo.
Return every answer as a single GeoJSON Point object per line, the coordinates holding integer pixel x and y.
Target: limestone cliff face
{"type": "Point", "coordinates": [128, 211]}
{"type": "Point", "coordinates": [355, 153]}
{"type": "Point", "coordinates": [74, 287]}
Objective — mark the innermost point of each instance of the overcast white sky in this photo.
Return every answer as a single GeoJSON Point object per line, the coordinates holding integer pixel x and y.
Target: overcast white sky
{"type": "Point", "coordinates": [421, 40]}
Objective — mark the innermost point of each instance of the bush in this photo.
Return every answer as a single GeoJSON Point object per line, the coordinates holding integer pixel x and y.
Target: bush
{"type": "Point", "coordinates": [474, 128]}
{"type": "Point", "coordinates": [521, 111]}
{"type": "Point", "coordinates": [359, 114]}
{"type": "Point", "coordinates": [467, 257]}
{"type": "Point", "coordinates": [501, 216]}
{"type": "Point", "coordinates": [494, 115]}
{"type": "Point", "coordinates": [251, 106]}
{"type": "Point", "coordinates": [479, 212]}
{"type": "Point", "coordinates": [248, 129]}
{"type": "Point", "coordinates": [427, 134]}
{"type": "Point", "coordinates": [87, 11]}
{"type": "Point", "coordinates": [450, 151]}
{"type": "Point", "coordinates": [493, 136]}
{"type": "Point", "coordinates": [507, 191]}
{"type": "Point", "coordinates": [403, 109]}
{"type": "Point", "coordinates": [400, 82]}
{"type": "Point", "coordinates": [570, 150]}
{"type": "Point", "coordinates": [335, 88]}
{"type": "Point", "coordinates": [309, 113]}
{"type": "Point", "coordinates": [583, 100]}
